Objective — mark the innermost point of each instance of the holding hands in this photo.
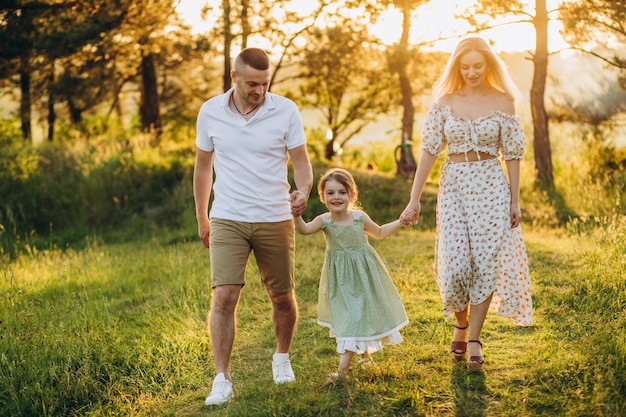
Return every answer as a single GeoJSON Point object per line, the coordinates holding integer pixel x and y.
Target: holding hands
{"type": "Point", "coordinates": [298, 200]}
{"type": "Point", "coordinates": [411, 213]}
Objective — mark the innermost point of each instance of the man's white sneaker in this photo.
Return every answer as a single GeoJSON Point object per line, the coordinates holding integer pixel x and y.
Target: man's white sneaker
{"type": "Point", "coordinates": [282, 371]}
{"type": "Point", "coordinates": [221, 392]}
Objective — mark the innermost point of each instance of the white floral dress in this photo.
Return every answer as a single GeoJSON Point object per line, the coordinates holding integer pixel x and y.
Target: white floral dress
{"type": "Point", "coordinates": [477, 252]}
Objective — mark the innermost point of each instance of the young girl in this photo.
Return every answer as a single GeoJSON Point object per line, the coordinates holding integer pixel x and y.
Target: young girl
{"type": "Point", "coordinates": [357, 299]}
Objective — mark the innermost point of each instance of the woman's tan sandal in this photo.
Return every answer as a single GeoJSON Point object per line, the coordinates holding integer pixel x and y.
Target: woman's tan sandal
{"type": "Point", "coordinates": [476, 363]}
{"type": "Point", "coordinates": [458, 348]}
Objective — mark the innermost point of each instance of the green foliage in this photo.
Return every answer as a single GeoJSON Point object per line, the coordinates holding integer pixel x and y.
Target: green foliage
{"type": "Point", "coordinates": [17, 165]}
{"type": "Point", "coordinates": [61, 191]}
{"type": "Point", "coordinates": [596, 26]}
{"type": "Point", "coordinates": [342, 79]}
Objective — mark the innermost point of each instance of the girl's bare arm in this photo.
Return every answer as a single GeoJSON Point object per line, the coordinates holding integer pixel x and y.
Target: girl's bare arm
{"type": "Point", "coordinates": [309, 228]}
{"type": "Point", "coordinates": [380, 232]}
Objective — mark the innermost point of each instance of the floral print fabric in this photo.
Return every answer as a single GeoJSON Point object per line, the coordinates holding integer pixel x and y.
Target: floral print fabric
{"type": "Point", "coordinates": [477, 252]}
{"type": "Point", "coordinates": [497, 132]}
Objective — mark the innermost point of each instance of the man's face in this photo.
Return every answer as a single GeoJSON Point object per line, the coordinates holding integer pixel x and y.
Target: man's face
{"type": "Point", "coordinates": [251, 85]}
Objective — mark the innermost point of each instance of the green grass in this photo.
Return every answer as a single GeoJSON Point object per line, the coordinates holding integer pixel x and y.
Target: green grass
{"type": "Point", "coordinates": [120, 330]}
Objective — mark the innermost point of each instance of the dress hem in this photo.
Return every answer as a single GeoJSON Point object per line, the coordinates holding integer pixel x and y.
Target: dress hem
{"type": "Point", "coordinates": [364, 338]}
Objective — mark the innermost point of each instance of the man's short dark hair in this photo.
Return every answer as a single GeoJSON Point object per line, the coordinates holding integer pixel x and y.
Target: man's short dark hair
{"type": "Point", "coordinates": [254, 58]}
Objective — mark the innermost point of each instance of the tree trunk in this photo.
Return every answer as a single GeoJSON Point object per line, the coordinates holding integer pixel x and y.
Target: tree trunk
{"type": "Point", "coordinates": [52, 116]}
{"type": "Point", "coordinates": [228, 40]}
{"type": "Point", "coordinates": [245, 24]}
{"type": "Point", "coordinates": [330, 150]}
{"type": "Point", "coordinates": [76, 114]}
{"type": "Point", "coordinates": [405, 160]}
{"type": "Point", "coordinates": [150, 114]}
{"type": "Point", "coordinates": [543, 154]}
{"type": "Point", "coordinates": [25, 98]}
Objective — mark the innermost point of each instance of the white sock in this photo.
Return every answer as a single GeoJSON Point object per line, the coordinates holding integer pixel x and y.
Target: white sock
{"type": "Point", "coordinates": [281, 357]}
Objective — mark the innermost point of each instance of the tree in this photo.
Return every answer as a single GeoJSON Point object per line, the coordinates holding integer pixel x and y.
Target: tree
{"type": "Point", "coordinates": [33, 34]}
{"type": "Point", "coordinates": [596, 27]}
{"type": "Point", "coordinates": [515, 8]}
{"type": "Point", "coordinates": [595, 100]}
{"type": "Point", "coordinates": [286, 28]}
{"type": "Point", "coordinates": [343, 77]}
{"type": "Point", "coordinates": [243, 19]}
{"type": "Point", "coordinates": [147, 25]}
{"type": "Point", "coordinates": [398, 62]}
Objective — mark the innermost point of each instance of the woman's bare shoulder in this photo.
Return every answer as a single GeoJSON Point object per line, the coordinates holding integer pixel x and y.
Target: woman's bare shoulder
{"type": "Point", "coordinates": [503, 103]}
{"type": "Point", "coordinates": [446, 100]}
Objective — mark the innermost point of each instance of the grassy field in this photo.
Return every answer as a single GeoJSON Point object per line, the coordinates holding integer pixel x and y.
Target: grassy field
{"type": "Point", "coordinates": [120, 330]}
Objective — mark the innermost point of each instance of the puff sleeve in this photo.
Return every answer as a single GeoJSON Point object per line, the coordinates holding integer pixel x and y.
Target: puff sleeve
{"type": "Point", "coordinates": [433, 138]}
{"type": "Point", "coordinates": [512, 140]}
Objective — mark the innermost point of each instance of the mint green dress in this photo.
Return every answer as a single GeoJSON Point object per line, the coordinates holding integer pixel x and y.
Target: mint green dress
{"type": "Point", "coordinates": [357, 301]}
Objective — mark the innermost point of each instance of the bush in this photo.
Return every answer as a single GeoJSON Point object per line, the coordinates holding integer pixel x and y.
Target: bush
{"type": "Point", "coordinates": [78, 188]}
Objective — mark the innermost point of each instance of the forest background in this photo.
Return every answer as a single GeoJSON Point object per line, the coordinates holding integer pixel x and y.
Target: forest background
{"type": "Point", "coordinates": [113, 89]}
{"type": "Point", "coordinates": [97, 144]}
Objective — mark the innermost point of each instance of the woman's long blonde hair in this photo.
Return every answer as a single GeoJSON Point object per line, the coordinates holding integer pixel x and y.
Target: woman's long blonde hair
{"type": "Point", "coordinates": [497, 75]}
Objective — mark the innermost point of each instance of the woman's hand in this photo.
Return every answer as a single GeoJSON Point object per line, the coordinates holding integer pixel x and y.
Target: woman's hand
{"type": "Point", "coordinates": [516, 215]}
{"type": "Point", "coordinates": [411, 213]}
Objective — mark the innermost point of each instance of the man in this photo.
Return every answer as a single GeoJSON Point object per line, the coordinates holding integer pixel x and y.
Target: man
{"type": "Point", "coordinates": [247, 136]}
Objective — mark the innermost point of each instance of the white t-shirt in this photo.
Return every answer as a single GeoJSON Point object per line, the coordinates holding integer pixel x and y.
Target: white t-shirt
{"type": "Point", "coordinates": [250, 157]}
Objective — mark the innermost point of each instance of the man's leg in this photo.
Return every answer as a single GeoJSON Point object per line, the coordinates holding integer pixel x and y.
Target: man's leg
{"type": "Point", "coordinates": [274, 250]}
{"type": "Point", "coordinates": [222, 326]}
{"type": "Point", "coordinates": [222, 331]}
{"type": "Point", "coordinates": [284, 317]}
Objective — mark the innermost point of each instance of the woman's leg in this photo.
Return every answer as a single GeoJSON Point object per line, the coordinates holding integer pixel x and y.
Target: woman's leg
{"type": "Point", "coordinates": [478, 313]}
{"type": "Point", "coordinates": [458, 346]}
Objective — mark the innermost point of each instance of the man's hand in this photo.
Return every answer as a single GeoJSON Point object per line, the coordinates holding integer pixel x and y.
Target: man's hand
{"type": "Point", "coordinates": [298, 201]}
{"type": "Point", "coordinates": [204, 231]}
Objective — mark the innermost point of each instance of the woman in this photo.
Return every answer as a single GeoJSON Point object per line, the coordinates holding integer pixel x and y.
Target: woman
{"type": "Point", "coordinates": [480, 256]}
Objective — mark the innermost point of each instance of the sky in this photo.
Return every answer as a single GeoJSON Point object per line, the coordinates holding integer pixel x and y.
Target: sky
{"type": "Point", "coordinates": [431, 20]}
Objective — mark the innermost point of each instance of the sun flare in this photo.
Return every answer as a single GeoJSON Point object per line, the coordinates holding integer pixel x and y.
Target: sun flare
{"type": "Point", "coordinates": [431, 21]}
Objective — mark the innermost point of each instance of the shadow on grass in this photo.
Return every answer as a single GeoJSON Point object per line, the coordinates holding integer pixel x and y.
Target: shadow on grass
{"type": "Point", "coordinates": [469, 391]}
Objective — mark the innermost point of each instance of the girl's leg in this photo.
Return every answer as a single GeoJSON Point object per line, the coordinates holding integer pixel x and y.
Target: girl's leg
{"type": "Point", "coordinates": [344, 368]}
{"type": "Point", "coordinates": [345, 361]}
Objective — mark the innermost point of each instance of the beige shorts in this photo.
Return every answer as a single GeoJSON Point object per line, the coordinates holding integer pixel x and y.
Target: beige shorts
{"type": "Point", "coordinates": [273, 244]}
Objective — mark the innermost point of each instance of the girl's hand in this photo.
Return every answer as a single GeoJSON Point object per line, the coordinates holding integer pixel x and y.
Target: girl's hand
{"type": "Point", "coordinates": [298, 203]}
{"type": "Point", "coordinates": [411, 214]}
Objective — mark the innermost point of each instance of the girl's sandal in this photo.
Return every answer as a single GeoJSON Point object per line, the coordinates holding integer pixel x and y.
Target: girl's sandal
{"type": "Point", "coordinates": [458, 348]}
{"type": "Point", "coordinates": [476, 363]}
